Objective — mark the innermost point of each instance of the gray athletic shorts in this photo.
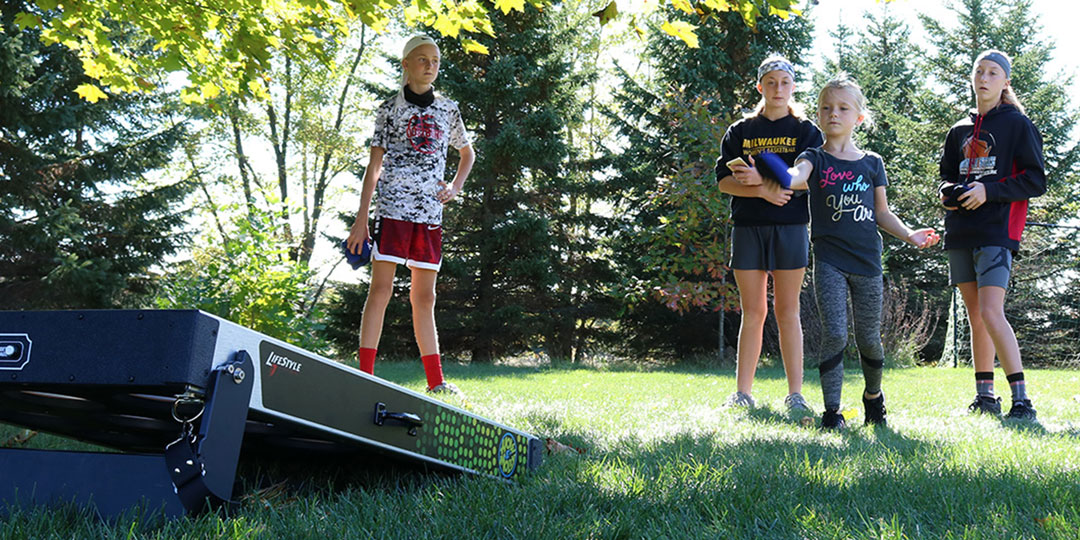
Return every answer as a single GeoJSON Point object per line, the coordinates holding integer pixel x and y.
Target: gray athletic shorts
{"type": "Point", "coordinates": [770, 247]}
{"type": "Point", "coordinates": [988, 266]}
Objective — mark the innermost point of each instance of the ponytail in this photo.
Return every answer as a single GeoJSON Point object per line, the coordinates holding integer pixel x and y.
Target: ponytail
{"type": "Point", "coordinates": [1008, 96]}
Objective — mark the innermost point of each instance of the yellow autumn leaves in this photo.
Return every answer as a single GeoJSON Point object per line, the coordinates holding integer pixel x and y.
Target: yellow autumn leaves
{"type": "Point", "coordinates": [226, 46]}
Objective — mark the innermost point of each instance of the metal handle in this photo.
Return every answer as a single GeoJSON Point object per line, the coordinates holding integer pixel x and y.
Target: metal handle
{"type": "Point", "coordinates": [413, 421]}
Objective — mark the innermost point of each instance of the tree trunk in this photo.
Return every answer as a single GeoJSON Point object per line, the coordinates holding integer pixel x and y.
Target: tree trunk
{"type": "Point", "coordinates": [281, 150]}
{"type": "Point", "coordinates": [241, 160]}
{"type": "Point", "coordinates": [307, 243]}
{"type": "Point", "coordinates": [485, 283]}
{"type": "Point", "coordinates": [190, 152]}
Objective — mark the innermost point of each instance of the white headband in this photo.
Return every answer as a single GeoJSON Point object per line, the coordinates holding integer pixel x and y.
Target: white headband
{"type": "Point", "coordinates": [413, 43]}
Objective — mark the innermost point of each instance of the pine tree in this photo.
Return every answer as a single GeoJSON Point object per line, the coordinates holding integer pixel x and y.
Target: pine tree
{"type": "Point", "coordinates": [582, 305]}
{"type": "Point", "coordinates": [501, 290]}
{"type": "Point", "coordinates": [881, 57]}
{"type": "Point", "coordinates": [79, 223]}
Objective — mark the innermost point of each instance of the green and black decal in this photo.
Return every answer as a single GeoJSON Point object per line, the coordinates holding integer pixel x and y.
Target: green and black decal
{"type": "Point", "coordinates": [473, 443]}
{"type": "Point", "coordinates": [332, 395]}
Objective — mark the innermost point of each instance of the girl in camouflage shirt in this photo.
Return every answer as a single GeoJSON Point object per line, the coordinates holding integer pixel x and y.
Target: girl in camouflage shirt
{"type": "Point", "coordinates": [413, 131]}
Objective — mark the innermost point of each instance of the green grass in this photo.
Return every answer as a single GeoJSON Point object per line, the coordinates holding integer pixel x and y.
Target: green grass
{"type": "Point", "coordinates": [663, 459]}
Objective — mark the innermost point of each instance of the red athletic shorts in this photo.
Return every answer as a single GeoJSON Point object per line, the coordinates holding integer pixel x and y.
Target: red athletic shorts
{"type": "Point", "coordinates": [415, 245]}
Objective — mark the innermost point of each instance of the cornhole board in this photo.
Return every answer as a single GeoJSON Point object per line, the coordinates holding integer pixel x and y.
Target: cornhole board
{"type": "Point", "coordinates": [181, 394]}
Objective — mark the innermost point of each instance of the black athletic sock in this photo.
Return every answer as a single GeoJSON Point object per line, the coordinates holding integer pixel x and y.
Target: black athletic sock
{"type": "Point", "coordinates": [872, 374]}
{"type": "Point", "coordinates": [1018, 386]}
{"type": "Point", "coordinates": [984, 383]}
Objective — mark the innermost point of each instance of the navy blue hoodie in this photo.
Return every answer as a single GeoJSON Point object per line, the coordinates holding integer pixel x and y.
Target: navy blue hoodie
{"type": "Point", "coordinates": [1007, 158]}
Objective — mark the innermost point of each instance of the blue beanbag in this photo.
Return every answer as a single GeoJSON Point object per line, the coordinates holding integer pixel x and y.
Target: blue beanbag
{"type": "Point", "coordinates": [356, 260]}
{"type": "Point", "coordinates": [773, 167]}
{"type": "Point", "coordinates": [952, 195]}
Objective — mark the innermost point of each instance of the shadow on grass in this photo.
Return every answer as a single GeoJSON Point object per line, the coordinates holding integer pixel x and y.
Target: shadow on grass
{"type": "Point", "coordinates": [275, 481]}
{"type": "Point", "coordinates": [853, 483]}
{"type": "Point", "coordinates": [870, 480]}
{"type": "Point", "coordinates": [1028, 427]}
{"type": "Point", "coordinates": [761, 482]}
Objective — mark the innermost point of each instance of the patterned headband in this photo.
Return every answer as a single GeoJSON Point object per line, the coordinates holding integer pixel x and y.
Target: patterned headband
{"type": "Point", "coordinates": [775, 65]}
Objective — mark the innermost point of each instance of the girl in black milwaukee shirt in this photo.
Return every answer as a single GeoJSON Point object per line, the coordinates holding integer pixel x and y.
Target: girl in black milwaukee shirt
{"type": "Point", "coordinates": [992, 164]}
{"type": "Point", "coordinates": [770, 234]}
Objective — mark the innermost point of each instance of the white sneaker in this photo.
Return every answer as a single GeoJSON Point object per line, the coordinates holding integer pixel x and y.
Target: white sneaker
{"type": "Point", "coordinates": [796, 403]}
{"type": "Point", "coordinates": [446, 388]}
{"type": "Point", "coordinates": [739, 399]}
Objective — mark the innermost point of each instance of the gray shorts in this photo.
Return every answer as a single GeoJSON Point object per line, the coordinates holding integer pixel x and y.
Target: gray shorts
{"type": "Point", "coordinates": [770, 247]}
{"type": "Point", "coordinates": [988, 266]}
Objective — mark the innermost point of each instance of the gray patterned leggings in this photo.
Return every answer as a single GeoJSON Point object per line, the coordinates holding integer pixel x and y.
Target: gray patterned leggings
{"type": "Point", "coordinates": [831, 287]}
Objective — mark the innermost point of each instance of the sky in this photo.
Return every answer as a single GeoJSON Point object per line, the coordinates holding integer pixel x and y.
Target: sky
{"type": "Point", "coordinates": [1057, 17]}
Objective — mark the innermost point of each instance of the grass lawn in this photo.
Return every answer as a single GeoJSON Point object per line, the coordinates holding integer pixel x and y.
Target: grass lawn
{"type": "Point", "coordinates": [663, 459]}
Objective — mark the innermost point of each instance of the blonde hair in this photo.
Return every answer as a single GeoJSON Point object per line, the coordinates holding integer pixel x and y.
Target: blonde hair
{"type": "Point", "coordinates": [795, 108]}
{"type": "Point", "coordinates": [1008, 96]}
{"type": "Point", "coordinates": [843, 81]}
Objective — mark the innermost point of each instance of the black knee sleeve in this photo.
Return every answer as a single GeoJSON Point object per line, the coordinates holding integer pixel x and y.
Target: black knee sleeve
{"type": "Point", "coordinates": [830, 363]}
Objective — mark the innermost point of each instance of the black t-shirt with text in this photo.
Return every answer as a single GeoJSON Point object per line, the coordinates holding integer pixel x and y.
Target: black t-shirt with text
{"type": "Point", "coordinates": [786, 137]}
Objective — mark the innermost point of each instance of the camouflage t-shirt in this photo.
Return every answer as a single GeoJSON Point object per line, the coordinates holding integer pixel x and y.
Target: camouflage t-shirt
{"type": "Point", "coordinates": [416, 141]}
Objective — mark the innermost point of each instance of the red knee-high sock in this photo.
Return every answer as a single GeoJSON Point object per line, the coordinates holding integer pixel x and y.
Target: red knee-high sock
{"type": "Point", "coordinates": [433, 370]}
{"type": "Point", "coordinates": [366, 357]}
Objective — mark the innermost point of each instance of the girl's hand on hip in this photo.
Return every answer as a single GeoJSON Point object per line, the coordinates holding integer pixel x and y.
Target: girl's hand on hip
{"type": "Point", "coordinates": [446, 192]}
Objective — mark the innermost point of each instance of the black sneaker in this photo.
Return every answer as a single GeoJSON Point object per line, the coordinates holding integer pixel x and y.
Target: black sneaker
{"type": "Point", "coordinates": [832, 420]}
{"type": "Point", "coordinates": [875, 410]}
{"type": "Point", "coordinates": [1022, 410]}
{"type": "Point", "coordinates": [986, 405]}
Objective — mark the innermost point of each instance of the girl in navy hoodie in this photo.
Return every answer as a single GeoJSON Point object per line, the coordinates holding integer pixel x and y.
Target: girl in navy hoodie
{"type": "Point", "coordinates": [991, 165]}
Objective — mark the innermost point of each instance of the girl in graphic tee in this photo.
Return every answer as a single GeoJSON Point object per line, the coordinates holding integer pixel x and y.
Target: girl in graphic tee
{"type": "Point", "coordinates": [413, 131]}
{"type": "Point", "coordinates": [847, 206]}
